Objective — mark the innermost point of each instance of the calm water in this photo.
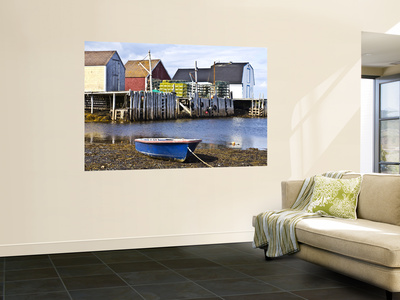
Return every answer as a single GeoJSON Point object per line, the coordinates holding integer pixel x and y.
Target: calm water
{"type": "Point", "coordinates": [241, 133]}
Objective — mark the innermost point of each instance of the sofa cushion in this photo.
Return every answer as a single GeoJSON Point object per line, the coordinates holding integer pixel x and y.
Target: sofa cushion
{"type": "Point", "coordinates": [379, 198]}
{"type": "Point", "coordinates": [335, 197]}
{"type": "Point", "coordinates": [361, 239]}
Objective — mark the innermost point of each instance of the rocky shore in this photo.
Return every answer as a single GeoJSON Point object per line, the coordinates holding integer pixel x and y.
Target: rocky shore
{"type": "Point", "coordinates": [124, 157]}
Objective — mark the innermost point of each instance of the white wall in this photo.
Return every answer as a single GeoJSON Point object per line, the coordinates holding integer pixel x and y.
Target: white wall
{"type": "Point", "coordinates": [95, 78]}
{"type": "Point", "coordinates": [50, 204]}
{"type": "Point", "coordinates": [236, 90]}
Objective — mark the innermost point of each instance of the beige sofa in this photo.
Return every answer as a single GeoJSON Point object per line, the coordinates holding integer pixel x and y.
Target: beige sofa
{"type": "Point", "coordinates": [368, 248]}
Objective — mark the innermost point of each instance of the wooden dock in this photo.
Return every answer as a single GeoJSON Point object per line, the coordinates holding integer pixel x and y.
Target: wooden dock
{"type": "Point", "coordinates": [258, 108]}
{"type": "Point", "coordinates": [214, 107]}
{"type": "Point", "coordinates": [144, 106]}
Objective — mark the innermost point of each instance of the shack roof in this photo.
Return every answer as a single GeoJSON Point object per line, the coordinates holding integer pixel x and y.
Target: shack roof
{"type": "Point", "coordinates": [134, 69]}
{"type": "Point", "coordinates": [230, 72]}
{"type": "Point", "coordinates": [98, 58]}
{"type": "Point", "coordinates": [203, 75]}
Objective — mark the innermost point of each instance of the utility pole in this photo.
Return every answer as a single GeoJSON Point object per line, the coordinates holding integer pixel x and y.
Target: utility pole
{"type": "Point", "coordinates": [195, 75]}
{"type": "Point", "coordinates": [214, 73]}
{"type": "Point", "coordinates": [215, 88]}
{"type": "Point", "coordinates": [150, 73]}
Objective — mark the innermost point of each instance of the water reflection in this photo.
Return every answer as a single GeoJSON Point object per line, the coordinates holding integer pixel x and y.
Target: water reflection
{"type": "Point", "coordinates": [239, 133]}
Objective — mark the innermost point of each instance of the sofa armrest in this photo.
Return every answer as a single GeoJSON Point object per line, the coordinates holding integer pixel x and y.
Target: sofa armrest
{"type": "Point", "coordinates": [290, 191]}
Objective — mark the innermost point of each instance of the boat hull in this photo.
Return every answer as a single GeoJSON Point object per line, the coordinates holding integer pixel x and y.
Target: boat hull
{"type": "Point", "coordinates": [167, 148]}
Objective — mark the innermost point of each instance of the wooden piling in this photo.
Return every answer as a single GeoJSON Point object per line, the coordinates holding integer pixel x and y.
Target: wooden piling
{"type": "Point", "coordinates": [113, 108]}
{"type": "Point", "coordinates": [130, 105]}
{"type": "Point", "coordinates": [91, 103]}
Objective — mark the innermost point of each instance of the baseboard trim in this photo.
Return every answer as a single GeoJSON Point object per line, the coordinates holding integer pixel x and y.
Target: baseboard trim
{"type": "Point", "coordinates": [124, 243]}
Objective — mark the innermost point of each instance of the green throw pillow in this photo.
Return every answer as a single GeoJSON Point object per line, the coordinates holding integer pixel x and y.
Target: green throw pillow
{"type": "Point", "coordinates": [335, 197]}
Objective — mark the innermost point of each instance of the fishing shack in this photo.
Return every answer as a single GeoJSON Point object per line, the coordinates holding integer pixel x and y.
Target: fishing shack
{"type": "Point", "coordinates": [137, 75]}
{"type": "Point", "coordinates": [104, 71]}
{"type": "Point", "coordinates": [233, 80]}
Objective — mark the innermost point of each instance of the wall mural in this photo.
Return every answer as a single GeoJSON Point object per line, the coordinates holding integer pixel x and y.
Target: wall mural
{"type": "Point", "coordinates": [160, 106]}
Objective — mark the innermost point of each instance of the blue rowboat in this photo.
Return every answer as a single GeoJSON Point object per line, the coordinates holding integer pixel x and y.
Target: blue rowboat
{"type": "Point", "coordinates": [167, 148]}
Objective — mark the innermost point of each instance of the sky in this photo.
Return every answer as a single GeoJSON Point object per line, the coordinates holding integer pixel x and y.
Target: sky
{"type": "Point", "coordinates": [184, 56]}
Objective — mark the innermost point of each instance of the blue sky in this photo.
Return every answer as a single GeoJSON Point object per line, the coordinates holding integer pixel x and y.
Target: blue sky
{"type": "Point", "coordinates": [184, 56]}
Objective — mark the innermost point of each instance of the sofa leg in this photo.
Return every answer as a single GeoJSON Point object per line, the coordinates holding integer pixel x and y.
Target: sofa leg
{"type": "Point", "coordinates": [389, 295]}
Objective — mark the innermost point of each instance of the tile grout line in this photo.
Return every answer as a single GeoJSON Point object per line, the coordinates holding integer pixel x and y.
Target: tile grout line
{"type": "Point", "coordinates": [259, 280]}
{"type": "Point", "coordinates": [322, 277]}
{"type": "Point", "coordinates": [292, 292]}
{"type": "Point", "coordinates": [192, 281]}
{"type": "Point", "coordinates": [249, 276]}
{"type": "Point", "coordinates": [228, 267]}
{"type": "Point", "coordinates": [59, 276]}
{"type": "Point", "coordinates": [131, 287]}
{"type": "Point", "coordinates": [182, 275]}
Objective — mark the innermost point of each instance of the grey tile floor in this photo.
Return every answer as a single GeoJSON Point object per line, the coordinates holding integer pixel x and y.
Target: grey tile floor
{"type": "Point", "coordinates": [208, 272]}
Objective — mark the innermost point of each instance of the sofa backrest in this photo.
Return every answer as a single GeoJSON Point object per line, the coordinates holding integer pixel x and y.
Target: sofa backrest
{"type": "Point", "coordinates": [379, 198]}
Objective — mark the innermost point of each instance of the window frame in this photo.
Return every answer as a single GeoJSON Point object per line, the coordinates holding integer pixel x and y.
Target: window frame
{"type": "Point", "coordinates": [378, 119]}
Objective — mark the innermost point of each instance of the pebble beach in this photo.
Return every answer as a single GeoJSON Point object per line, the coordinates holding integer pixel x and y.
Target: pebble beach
{"type": "Point", "coordinates": [123, 156]}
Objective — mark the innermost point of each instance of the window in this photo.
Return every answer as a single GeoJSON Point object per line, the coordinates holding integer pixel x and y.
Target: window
{"type": "Point", "coordinates": [387, 125]}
